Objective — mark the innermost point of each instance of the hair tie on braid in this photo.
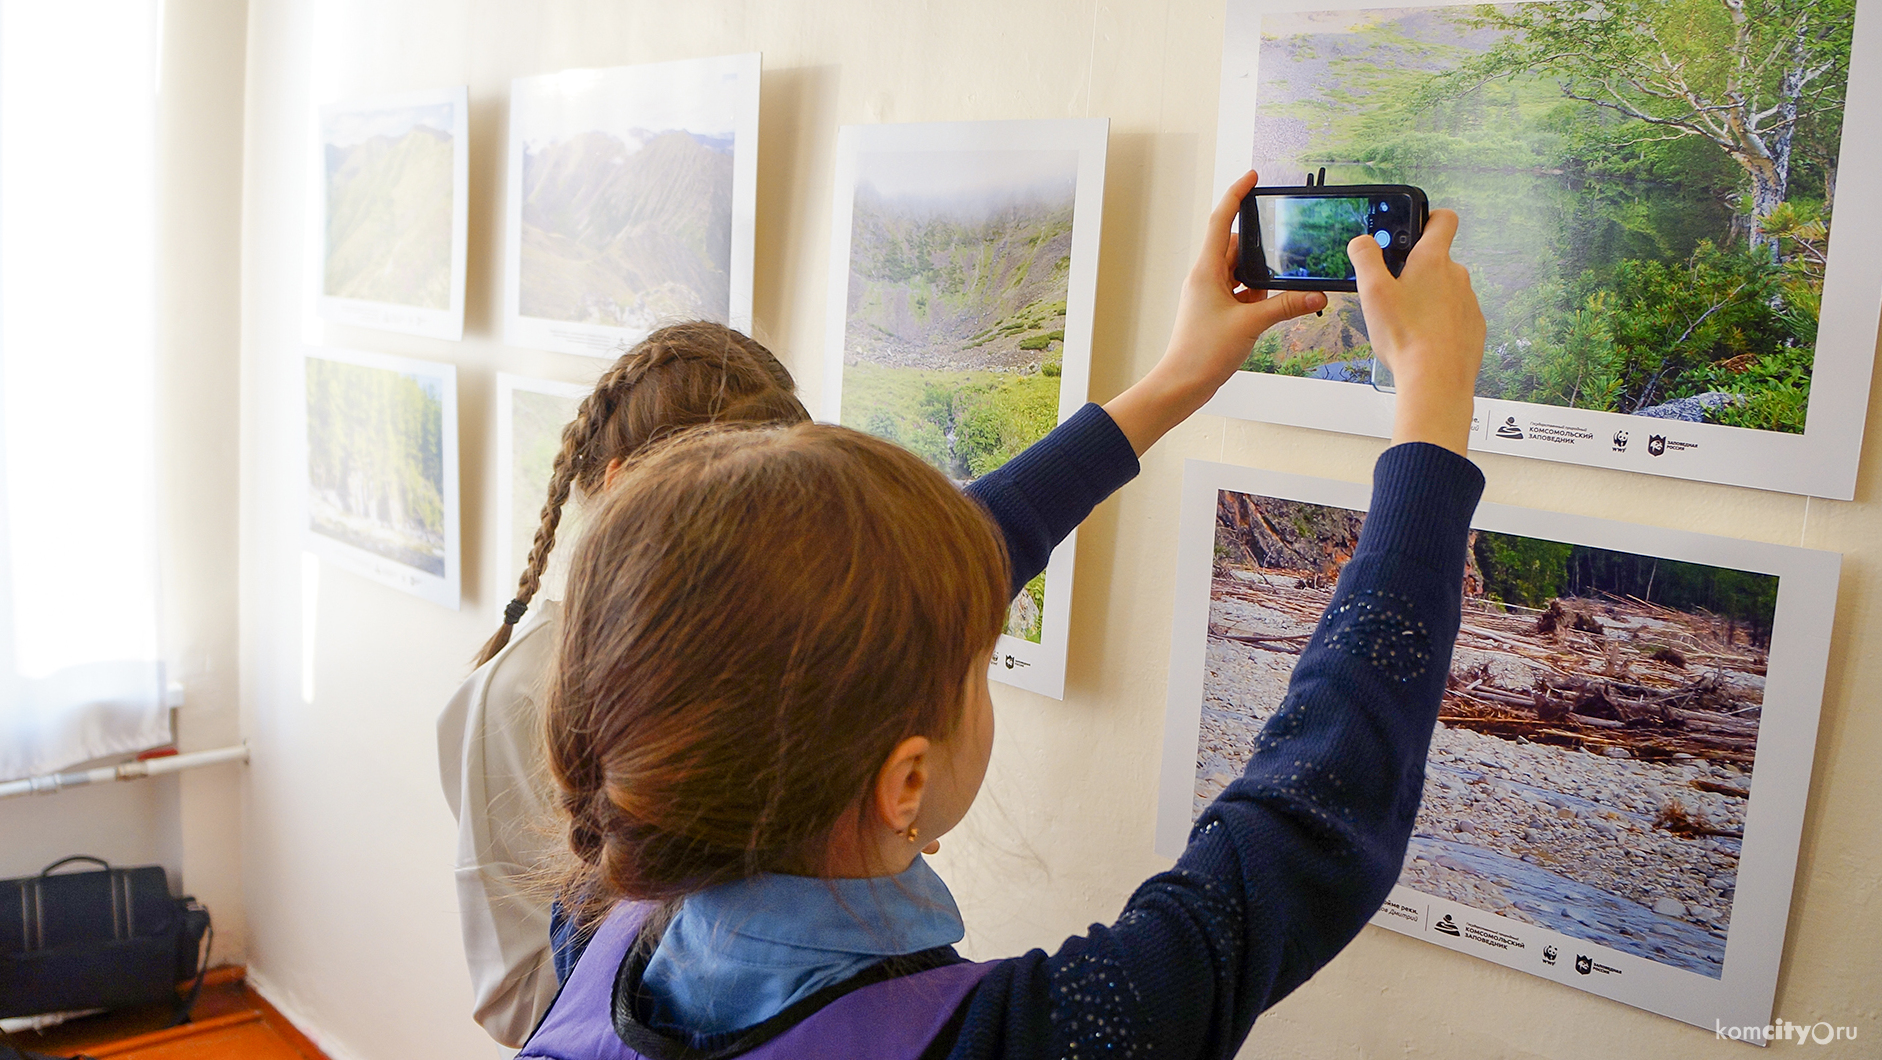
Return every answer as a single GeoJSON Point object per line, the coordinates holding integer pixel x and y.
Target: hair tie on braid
{"type": "Point", "coordinates": [513, 612]}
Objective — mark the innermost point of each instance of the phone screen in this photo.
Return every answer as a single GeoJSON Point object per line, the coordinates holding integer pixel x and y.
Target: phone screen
{"type": "Point", "coordinates": [1304, 237]}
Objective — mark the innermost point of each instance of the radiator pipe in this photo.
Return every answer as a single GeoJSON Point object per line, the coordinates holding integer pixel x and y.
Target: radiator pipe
{"type": "Point", "coordinates": [149, 767]}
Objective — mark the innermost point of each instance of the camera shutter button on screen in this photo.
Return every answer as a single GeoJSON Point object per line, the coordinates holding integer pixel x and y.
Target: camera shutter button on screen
{"type": "Point", "coordinates": [1384, 239]}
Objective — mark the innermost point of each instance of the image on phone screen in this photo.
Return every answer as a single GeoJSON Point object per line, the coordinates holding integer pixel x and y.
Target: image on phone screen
{"type": "Point", "coordinates": [1305, 237]}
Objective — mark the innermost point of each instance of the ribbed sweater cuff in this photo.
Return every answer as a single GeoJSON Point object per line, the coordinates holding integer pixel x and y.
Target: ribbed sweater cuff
{"type": "Point", "coordinates": [1423, 497]}
{"type": "Point", "coordinates": [1089, 459]}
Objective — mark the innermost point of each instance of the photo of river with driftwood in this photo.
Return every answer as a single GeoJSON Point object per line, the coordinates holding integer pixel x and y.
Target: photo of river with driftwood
{"type": "Point", "coordinates": [1595, 747]}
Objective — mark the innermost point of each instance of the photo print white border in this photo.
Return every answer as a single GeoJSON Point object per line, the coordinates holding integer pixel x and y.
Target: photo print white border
{"type": "Point", "coordinates": [441, 590]}
{"type": "Point", "coordinates": [391, 316]}
{"type": "Point", "coordinates": [1799, 654]}
{"type": "Point", "coordinates": [595, 340]}
{"type": "Point", "coordinates": [507, 387]}
{"type": "Point", "coordinates": [1821, 462]}
{"type": "Point", "coordinates": [1018, 662]}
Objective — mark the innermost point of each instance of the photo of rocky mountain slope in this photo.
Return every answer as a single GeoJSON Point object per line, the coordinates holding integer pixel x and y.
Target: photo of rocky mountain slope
{"type": "Point", "coordinates": [959, 269]}
{"type": "Point", "coordinates": [630, 202]}
{"type": "Point", "coordinates": [626, 231]}
{"type": "Point", "coordinates": [970, 281]}
{"type": "Point", "coordinates": [1595, 750]}
{"type": "Point", "coordinates": [389, 202]}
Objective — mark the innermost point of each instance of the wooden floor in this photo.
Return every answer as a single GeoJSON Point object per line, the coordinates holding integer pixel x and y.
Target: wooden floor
{"type": "Point", "coordinates": [230, 1022]}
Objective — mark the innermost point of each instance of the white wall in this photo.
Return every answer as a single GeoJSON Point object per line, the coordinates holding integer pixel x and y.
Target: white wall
{"type": "Point", "coordinates": [125, 824]}
{"type": "Point", "coordinates": [347, 841]}
{"type": "Point", "coordinates": [198, 356]}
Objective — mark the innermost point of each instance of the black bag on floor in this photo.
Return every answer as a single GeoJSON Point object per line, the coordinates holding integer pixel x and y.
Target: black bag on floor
{"type": "Point", "coordinates": [100, 939]}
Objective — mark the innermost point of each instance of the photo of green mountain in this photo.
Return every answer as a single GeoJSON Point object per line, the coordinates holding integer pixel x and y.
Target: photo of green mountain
{"type": "Point", "coordinates": [376, 461]}
{"type": "Point", "coordinates": [1646, 187]}
{"type": "Point", "coordinates": [627, 230]}
{"type": "Point", "coordinates": [389, 192]}
{"type": "Point", "coordinates": [955, 333]}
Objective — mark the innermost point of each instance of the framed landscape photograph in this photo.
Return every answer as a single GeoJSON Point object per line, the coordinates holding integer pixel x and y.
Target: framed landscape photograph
{"type": "Point", "coordinates": [963, 266]}
{"type": "Point", "coordinates": [391, 210]}
{"type": "Point", "coordinates": [530, 416]}
{"type": "Point", "coordinates": [1614, 795]}
{"type": "Point", "coordinates": [630, 202]}
{"type": "Point", "coordinates": [1648, 195]}
{"type": "Point", "coordinates": [381, 497]}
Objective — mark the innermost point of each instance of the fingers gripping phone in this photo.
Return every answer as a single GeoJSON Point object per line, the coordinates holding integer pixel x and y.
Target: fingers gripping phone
{"type": "Point", "coordinates": [1294, 238]}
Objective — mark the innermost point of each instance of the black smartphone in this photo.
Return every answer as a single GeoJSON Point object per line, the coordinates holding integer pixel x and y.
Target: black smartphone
{"type": "Point", "coordinates": [1294, 238]}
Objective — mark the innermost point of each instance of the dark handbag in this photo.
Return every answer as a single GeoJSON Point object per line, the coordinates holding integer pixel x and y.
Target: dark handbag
{"type": "Point", "coordinates": [96, 940]}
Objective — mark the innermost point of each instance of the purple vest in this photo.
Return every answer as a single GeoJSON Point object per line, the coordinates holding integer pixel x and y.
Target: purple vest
{"type": "Point", "coordinates": [892, 1020]}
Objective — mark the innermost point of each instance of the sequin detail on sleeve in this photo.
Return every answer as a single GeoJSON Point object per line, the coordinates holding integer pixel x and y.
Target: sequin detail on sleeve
{"type": "Point", "coordinates": [1379, 628]}
{"type": "Point", "coordinates": [1093, 1010]}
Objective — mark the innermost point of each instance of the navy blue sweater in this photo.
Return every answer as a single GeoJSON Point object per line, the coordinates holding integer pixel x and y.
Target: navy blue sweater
{"type": "Point", "coordinates": [1289, 862]}
{"type": "Point", "coordinates": [1041, 495]}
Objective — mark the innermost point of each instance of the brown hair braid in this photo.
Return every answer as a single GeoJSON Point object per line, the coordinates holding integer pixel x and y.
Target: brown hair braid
{"type": "Point", "coordinates": [754, 620]}
{"type": "Point", "coordinates": [678, 377]}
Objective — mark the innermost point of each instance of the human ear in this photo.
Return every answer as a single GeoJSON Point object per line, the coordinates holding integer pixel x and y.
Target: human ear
{"type": "Point", "coordinates": [614, 468]}
{"type": "Point", "coordinates": [901, 783]}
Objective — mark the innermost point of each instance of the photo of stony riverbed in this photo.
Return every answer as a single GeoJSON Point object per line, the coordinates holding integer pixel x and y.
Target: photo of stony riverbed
{"type": "Point", "coordinates": [1595, 749]}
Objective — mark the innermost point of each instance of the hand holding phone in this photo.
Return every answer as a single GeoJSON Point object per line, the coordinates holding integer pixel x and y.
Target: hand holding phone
{"type": "Point", "coordinates": [1216, 323]}
{"type": "Point", "coordinates": [1424, 322]}
{"type": "Point", "coordinates": [1294, 238]}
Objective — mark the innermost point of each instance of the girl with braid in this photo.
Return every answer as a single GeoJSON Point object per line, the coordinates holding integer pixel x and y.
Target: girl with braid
{"type": "Point", "coordinates": [769, 700]}
{"type": "Point", "coordinates": [518, 945]}
{"type": "Point", "coordinates": [489, 741]}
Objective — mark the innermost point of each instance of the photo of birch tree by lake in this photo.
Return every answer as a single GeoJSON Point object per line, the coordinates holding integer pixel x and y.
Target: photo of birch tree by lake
{"type": "Point", "coordinates": [955, 335]}
{"type": "Point", "coordinates": [1645, 187]}
{"type": "Point", "coordinates": [375, 461]}
{"type": "Point", "coordinates": [1594, 753]}
{"type": "Point", "coordinates": [389, 202]}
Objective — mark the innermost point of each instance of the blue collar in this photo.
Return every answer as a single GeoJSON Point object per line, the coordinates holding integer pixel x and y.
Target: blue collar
{"type": "Point", "coordinates": [740, 953]}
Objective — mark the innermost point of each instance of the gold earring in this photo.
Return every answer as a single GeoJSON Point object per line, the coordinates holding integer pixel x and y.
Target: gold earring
{"type": "Point", "coordinates": [913, 833]}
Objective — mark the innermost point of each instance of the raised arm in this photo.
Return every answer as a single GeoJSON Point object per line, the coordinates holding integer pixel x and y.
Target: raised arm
{"type": "Point", "coordinates": [1290, 861]}
{"type": "Point", "coordinates": [1041, 495]}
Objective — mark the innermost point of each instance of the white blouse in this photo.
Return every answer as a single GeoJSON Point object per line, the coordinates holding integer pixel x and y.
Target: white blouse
{"type": "Point", "coordinates": [490, 758]}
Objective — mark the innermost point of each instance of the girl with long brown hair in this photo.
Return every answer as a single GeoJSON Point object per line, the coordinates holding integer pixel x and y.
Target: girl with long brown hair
{"type": "Point", "coordinates": [519, 945]}
{"type": "Point", "coordinates": [770, 696]}
{"type": "Point", "coordinates": [489, 738]}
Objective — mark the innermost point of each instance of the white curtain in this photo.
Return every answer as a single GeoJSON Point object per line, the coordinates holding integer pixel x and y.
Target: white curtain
{"type": "Point", "coordinates": [79, 671]}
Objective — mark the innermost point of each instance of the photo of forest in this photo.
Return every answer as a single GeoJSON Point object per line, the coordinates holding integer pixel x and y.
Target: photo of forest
{"type": "Point", "coordinates": [626, 204]}
{"type": "Point", "coordinates": [1306, 238]}
{"type": "Point", "coordinates": [954, 340]}
{"type": "Point", "coordinates": [1645, 187]}
{"type": "Point", "coordinates": [1594, 754]}
{"type": "Point", "coordinates": [375, 461]}
{"type": "Point", "coordinates": [536, 422]}
{"type": "Point", "coordinates": [388, 205]}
